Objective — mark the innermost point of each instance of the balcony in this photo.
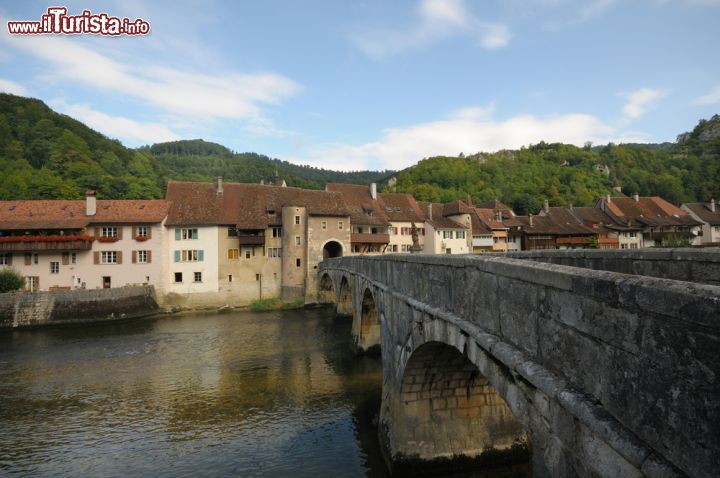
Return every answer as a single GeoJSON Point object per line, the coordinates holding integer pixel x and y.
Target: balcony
{"type": "Point", "coordinates": [45, 243]}
{"type": "Point", "coordinates": [251, 240]}
{"type": "Point", "coordinates": [367, 238]}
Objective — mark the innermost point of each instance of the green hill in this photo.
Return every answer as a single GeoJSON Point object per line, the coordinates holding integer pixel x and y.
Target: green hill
{"type": "Point", "coordinates": [686, 171]}
{"type": "Point", "coordinates": [47, 155]}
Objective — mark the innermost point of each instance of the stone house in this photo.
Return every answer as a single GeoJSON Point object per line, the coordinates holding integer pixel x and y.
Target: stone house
{"type": "Point", "coordinates": [370, 224]}
{"type": "Point", "coordinates": [448, 228]}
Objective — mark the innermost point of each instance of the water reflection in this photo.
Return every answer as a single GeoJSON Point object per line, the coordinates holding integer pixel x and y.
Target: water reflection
{"type": "Point", "coordinates": [270, 394]}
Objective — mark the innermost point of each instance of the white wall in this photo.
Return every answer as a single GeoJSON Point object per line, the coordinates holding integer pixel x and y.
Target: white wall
{"type": "Point", "coordinates": [208, 242]}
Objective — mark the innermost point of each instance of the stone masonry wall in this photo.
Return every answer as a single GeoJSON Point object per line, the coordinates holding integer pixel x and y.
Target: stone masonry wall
{"type": "Point", "coordinates": [26, 309]}
{"type": "Point", "coordinates": [693, 265]}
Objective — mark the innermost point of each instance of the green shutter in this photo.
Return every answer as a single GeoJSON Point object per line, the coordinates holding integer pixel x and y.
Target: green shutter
{"type": "Point", "coordinates": [194, 233]}
{"type": "Point", "coordinates": [201, 255]}
{"type": "Point", "coordinates": [177, 256]}
{"type": "Point", "coordinates": [177, 234]}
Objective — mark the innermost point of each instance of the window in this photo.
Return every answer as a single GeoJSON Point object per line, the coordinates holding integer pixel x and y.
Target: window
{"type": "Point", "coordinates": [186, 234]}
{"type": "Point", "coordinates": [32, 283]}
{"type": "Point", "coordinates": [249, 253]}
{"type": "Point", "coordinates": [73, 257]}
{"type": "Point", "coordinates": [54, 267]}
{"type": "Point", "coordinates": [142, 257]}
{"type": "Point", "coordinates": [36, 259]}
{"type": "Point", "coordinates": [233, 254]}
{"type": "Point", "coordinates": [229, 277]}
{"type": "Point", "coordinates": [323, 225]}
{"type": "Point", "coordinates": [623, 246]}
{"type": "Point", "coordinates": [392, 230]}
{"type": "Point", "coordinates": [633, 235]}
{"type": "Point", "coordinates": [189, 255]}
{"type": "Point", "coordinates": [297, 220]}
{"type": "Point", "coordinates": [447, 234]}
{"type": "Point", "coordinates": [297, 240]}
{"type": "Point", "coordinates": [297, 262]}
{"type": "Point", "coordinates": [633, 246]}
{"type": "Point", "coordinates": [257, 277]}
{"type": "Point", "coordinates": [142, 231]}
{"type": "Point", "coordinates": [197, 276]}
{"type": "Point", "coordinates": [5, 259]}
{"type": "Point", "coordinates": [341, 225]}
{"type": "Point", "coordinates": [232, 231]}
{"type": "Point", "coordinates": [276, 232]}
{"type": "Point", "coordinates": [274, 252]}
{"type": "Point", "coordinates": [109, 232]}
{"type": "Point", "coordinates": [448, 251]}
{"type": "Point", "coordinates": [405, 248]}
{"type": "Point", "coordinates": [108, 257]}
{"type": "Point", "coordinates": [460, 235]}
{"type": "Point", "coordinates": [178, 277]}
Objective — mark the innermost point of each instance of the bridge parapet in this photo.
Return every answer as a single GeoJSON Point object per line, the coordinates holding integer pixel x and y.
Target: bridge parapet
{"type": "Point", "coordinates": [612, 374]}
{"type": "Point", "coordinates": [683, 264]}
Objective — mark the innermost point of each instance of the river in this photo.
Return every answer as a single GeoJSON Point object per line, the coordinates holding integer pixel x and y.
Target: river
{"type": "Point", "coordinates": [236, 394]}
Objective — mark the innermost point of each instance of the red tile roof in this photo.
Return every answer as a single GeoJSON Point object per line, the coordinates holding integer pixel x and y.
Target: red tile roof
{"type": "Point", "coordinates": [496, 205]}
{"type": "Point", "coordinates": [70, 214]}
{"type": "Point", "coordinates": [436, 218]}
{"type": "Point", "coordinates": [648, 211]}
{"type": "Point", "coordinates": [703, 211]}
{"type": "Point", "coordinates": [401, 207]}
{"type": "Point", "coordinates": [247, 206]}
{"type": "Point", "coordinates": [364, 210]}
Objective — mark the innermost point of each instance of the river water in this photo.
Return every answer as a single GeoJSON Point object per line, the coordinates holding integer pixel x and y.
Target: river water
{"type": "Point", "coordinates": [236, 394]}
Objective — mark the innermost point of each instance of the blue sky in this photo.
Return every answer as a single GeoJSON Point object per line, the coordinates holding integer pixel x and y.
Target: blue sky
{"type": "Point", "coordinates": [378, 84]}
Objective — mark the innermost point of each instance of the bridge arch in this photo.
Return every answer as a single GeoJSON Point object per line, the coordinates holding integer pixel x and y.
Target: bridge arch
{"type": "Point", "coordinates": [368, 328]}
{"type": "Point", "coordinates": [448, 414]}
{"type": "Point", "coordinates": [344, 297]}
{"type": "Point", "coordinates": [326, 292]}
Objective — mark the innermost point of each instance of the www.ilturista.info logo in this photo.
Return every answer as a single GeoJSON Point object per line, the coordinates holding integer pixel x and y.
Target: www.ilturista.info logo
{"type": "Point", "coordinates": [57, 22]}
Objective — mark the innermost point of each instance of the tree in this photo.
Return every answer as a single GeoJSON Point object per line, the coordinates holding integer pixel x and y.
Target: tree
{"type": "Point", "coordinates": [10, 280]}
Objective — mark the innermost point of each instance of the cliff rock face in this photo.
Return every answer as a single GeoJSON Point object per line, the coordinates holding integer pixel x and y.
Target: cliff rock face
{"type": "Point", "coordinates": [706, 130]}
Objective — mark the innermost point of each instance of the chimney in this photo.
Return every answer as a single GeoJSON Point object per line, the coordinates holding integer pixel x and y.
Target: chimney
{"type": "Point", "coordinates": [469, 201]}
{"type": "Point", "coordinates": [636, 197]}
{"type": "Point", "coordinates": [373, 190]}
{"type": "Point", "coordinates": [430, 211]}
{"type": "Point", "coordinates": [546, 206]}
{"type": "Point", "coordinates": [608, 198]}
{"type": "Point", "coordinates": [712, 205]}
{"type": "Point", "coordinates": [530, 220]}
{"type": "Point", "coordinates": [90, 203]}
{"type": "Point", "coordinates": [219, 186]}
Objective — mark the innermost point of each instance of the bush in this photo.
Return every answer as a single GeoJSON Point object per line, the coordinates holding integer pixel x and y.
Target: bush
{"type": "Point", "coordinates": [675, 241]}
{"type": "Point", "coordinates": [296, 304]}
{"type": "Point", "coordinates": [10, 280]}
{"type": "Point", "coordinates": [260, 305]}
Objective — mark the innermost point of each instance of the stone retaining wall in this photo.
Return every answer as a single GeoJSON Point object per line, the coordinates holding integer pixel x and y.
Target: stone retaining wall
{"type": "Point", "coordinates": [27, 309]}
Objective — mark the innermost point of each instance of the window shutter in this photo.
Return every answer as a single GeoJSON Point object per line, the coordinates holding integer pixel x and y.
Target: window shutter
{"type": "Point", "coordinates": [201, 255]}
{"type": "Point", "coordinates": [97, 232]}
{"type": "Point", "coordinates": [134, 257]}
{"type": "Point", "coordinates": [177, 235]}
{"type": "Point", "coordinates": [96, 257]}
{"type": "Point", "coordinates": [194, 233]}
{"type": "Point", "coordinates": [149, 234]}
{"type": "Point", "coordinates": [149, 255]}
{"type": "Point", "coordinates": [120, 231]}
{"type": "Point", "coordinates": [28, 258]}
{"type": "Point", "coordinates": [134, 231]}
{"type": "Point", "coordinates": [65, 258]}
{"type": "Point", "coordinates": [119, 257]}
{"type": "Point", "coordinates": [177, 256]}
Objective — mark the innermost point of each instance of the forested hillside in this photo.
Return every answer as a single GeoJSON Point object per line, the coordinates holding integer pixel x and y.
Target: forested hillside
{"type": "Point", "coordinates": [565, 174]}
{"type": "Point", "coordinates": [47, 155]}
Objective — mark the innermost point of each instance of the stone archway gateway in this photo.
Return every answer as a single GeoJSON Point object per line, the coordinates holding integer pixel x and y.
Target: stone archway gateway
{"type": "Point", "coordinates": [332, 249]}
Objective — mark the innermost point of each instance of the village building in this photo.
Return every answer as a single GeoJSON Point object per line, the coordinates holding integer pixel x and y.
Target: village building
{"type": "Point", "coordinates": [404, 214]}
{"type": "Point", "coordinates": [708, 213]}
{"type": "Point", "coordinates": [610, 234]}
{"type": "Point", "coordinates": [76, 244]}
{"type": "Point", "coordinates": [658, 219]}
{"type": "Point", "coordinates": [489, 232]}
{"type": "Point", "coordinates": [234, 243]}
{"type": "Point", "coordinates": [369, 234]}
{"type": "Point", "coordinates": [448, 228]}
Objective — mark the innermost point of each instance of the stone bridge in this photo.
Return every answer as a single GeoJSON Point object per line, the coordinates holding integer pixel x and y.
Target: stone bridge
{"type": "Point", "coordinates": [492, 359]}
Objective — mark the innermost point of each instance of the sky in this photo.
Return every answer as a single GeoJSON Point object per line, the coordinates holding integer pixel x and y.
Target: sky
{"type": "Point", "coordinates": [354, 85]}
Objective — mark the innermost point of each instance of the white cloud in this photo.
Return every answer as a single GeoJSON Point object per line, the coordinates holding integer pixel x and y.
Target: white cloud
{"type": "Point", "coordinates": [594, 9]}
{"type": "Point", "coordinates": [184, 93]}
{"type": "Point", "coordinates": [437, 20]}
{"type": "Point", "coordinates": [711, 98]}
{"type": "Point", "coordinates": [8, 86]}
{"type": "Point", "coordinates": [129, 131]}
{"type": "Point", "coordinates": [640, 101]}
{"type": "Point", "coordinates": [465, 132]}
